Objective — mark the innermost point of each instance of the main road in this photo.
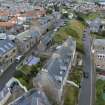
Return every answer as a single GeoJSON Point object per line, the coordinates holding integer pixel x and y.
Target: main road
{"type": "Point", "coordinates": [87, 91]}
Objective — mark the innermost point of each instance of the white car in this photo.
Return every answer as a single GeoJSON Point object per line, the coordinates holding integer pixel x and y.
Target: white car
{"type": "Point", "coordinates": [55, 30]}
{"type": "Point", "coordinates": [18, 58]}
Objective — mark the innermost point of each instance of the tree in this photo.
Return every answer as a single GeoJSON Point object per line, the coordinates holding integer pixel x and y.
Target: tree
{"type": "Point", "coordinates": [65, 15]}
{"type": "Point", "coordinates": [49, 11]}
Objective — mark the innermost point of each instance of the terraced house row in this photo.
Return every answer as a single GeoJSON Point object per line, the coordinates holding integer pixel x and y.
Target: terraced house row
{"type": "Point", "coordinates": [52, 79]}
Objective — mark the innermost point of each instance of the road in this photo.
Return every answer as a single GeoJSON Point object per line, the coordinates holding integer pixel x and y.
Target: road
{"type": "Point", "coordinates": [87, 91]}
{"type": "Point", "coordinates": [7, 75]}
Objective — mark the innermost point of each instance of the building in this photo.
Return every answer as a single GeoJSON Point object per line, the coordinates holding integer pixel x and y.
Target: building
{"type": "Point", "coordinates": [95, 25]}
{"type": "Point", "coordinates": [8, 51]}
{"type": "Point", "coordinates": [33, 97]}
{"type": "Point", "coordinates": [12, 89]}
{"type": "Point", "coordinates": [52, 78]}
{"type": "Point", "coordinates": [26, 40]}
{"type": "Point", "coordinates": [46, 41]}
{"type": "Point", "coordinates": [99, 48]}
{"type": "Point", "coordinates": [46, 23]}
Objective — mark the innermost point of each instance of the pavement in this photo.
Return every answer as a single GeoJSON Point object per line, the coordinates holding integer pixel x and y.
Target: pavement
{"type": "Point", "coordinates": [87, 91]}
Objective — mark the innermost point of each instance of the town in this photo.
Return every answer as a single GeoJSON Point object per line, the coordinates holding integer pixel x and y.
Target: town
{"type": "Point", "coordinates": [52, 52]}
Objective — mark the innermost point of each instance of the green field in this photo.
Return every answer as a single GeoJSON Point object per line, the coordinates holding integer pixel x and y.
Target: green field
{"type": "Point", "coordinates": [100, 92]}
{"type": "Point", "coordinates": [71, 96]}
{"type": "Point", "coordinates": [91, 16]}
{"type": "Point", "coordinates": [73, 28]}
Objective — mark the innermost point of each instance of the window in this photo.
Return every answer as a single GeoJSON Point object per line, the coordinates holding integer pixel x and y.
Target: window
{"type": "Point", "coordinates": [11, 60]}
{"type": "Point", "coordinates": [14, 51]}
{"type": "Point", "coordinates": [27, 46]}
{"type": "Point", "coordinates": [6, 56]}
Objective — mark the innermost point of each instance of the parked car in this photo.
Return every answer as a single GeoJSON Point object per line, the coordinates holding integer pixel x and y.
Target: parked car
{"type": "Point", "coordinates": [18, 58]}
{"type": "Point", "coordinates": [85, 74]}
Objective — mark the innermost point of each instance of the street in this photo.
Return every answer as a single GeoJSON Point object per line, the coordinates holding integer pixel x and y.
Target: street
{"type": "Point", "coordinates": [7, 75]}
{"type": "Point", "coordinates": [87, 91]}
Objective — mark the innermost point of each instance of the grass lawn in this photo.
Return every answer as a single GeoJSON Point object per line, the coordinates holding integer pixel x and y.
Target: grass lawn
{"type": "Point", "coordinates": [90, 16]}
{"type": "Point", "coordinates": [71, 96]}
{"type": "Point", "coordinates": [25, 69]}
{"type": "Point", "coordinates": [100, 90]}
{"type": "Point", "coordinates": [76, 75]}
{"type": "Point", "coordinates": [25, 82]}
{"type": "Point", "coordinates": [75, 29]}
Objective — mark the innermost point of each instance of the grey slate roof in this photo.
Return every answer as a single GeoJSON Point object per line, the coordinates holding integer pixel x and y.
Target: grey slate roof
{"type": "Point", "coordinates": [33, 97]}
{"type": "Point", "coordinates": [57, 66]}
{"type": "Point", "coordinates": [5, 46]}
{"type": "Point", "coordinates": [99, 42]}
{"type": "Point", "coordinates": [3, 93]}
{"type": "Point", "coordinates": [27, 34]}
{"type": "Point", "coordinates": [45, 19]}
{"type": "Point", "coordinates": [47, 38]}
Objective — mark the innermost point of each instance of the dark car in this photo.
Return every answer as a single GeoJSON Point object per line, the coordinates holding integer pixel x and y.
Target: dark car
{"type": "Point", "coordinates": [85, 74]}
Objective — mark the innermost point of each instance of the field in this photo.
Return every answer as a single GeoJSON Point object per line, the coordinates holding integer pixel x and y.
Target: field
{"type": "Point", "coordinates": [100, 92]}
{"type": "Point", "coordinates": [73, 28]}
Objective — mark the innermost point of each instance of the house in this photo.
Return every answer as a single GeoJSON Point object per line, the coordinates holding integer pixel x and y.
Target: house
{"type": "Point", "coordinates": [26, 40]}
{"type": "Point", "coordinates": [95, 25]}
{"type": "Point", "coordinates": [12, 89]}
{"type": "Point", "coordinates": [33, 97]}
{"type": "Point", "coordinates": [4, 95]}
{"type": "Point", "coordinates": [57, 15]}
{"type": "Point", "coordinates": [99, 48]}
{"type": "Point", "coordinates": [46, 23]}
{"type": "Point", "coordinates": [8, 51]}
{"type": "Point", "coordinates": [46, 41]}
{"type": "Point", "coordinates": [52, 78]}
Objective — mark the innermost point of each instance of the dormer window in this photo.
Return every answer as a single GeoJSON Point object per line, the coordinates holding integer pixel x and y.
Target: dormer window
{"type": "Point", "coordinates": [59, 78]}
{"type": "Point", "coordinates": [63, 68]}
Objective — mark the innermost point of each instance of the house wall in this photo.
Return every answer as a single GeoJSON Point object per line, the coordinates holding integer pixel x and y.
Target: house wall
{"type": "Point", "coordinates": [8, 58]}
{"type": "Point", "coordinates": [24, 46]}
{"type": "Point", "coordinates": [100, 56]}
{"type": "Point", "coordinates": [48, 86]}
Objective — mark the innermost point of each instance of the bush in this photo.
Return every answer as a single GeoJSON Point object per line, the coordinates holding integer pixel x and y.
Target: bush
{"type": "Point", "coordinates": [18, 74]}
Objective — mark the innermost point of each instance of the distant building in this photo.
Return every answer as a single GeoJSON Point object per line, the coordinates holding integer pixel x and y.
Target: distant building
{"type": "Point", "coordinates": [99, 48]}
{"type": "Point", "coordinates": [26, 40]}
{"type": "Point", "coordinates": [33, 97]}
{"type": "Point", "coordinates": [8, 51]}
{"type": "Point", "coordinates": [46, 23]}
{"type": "Point", "coordinates": [94, 25]}
{"type": "Point", "coordinates": [53, 76]}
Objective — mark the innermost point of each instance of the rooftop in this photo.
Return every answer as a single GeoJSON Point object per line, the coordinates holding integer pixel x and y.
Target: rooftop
{"type": "Point", "coordinates": [33, 97]}
{"type": "Point", "coordinates": [27, 34]}
{"type": "Point", "coordinates": [5, 46]}
{"type": "Point", "coordinates": [57, 66]}
{"type": "Point", "coordinates": [47, 38]}
{"type": "Point", "coordinates": [98, 42]}
{"type": "Point", "coordinates": [4, 92]}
